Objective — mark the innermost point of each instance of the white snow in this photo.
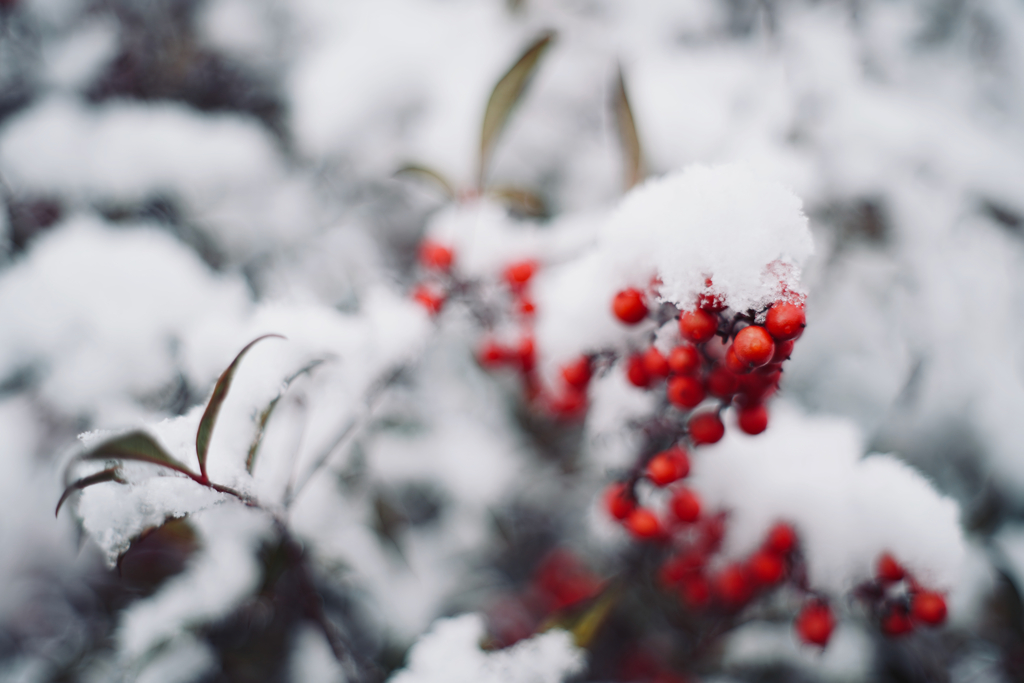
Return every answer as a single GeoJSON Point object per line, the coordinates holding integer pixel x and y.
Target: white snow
{"type": "Point", "coordinates": [847, 657]}
{"type": "Point", "coordinates": [847, 509]}
{"type": "Point", "coordinates": [728, 223]}
{"type": "Point", "coordinates": [747, 122]}
{"type": "Point", "coordinates": [98, 309]}
{"type": "Point", "coordinates": [450, 652]}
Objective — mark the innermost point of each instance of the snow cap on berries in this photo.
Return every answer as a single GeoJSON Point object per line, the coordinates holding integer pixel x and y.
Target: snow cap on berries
{"type": "Point", "coordinates": [744, 231]}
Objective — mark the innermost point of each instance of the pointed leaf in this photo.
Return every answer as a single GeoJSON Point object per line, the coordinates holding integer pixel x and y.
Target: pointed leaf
{"type": "Point", "coordinates": [632, 155]}
{"type": "Point", "coordinates": [137, 446]}
{"type": "Point", "coordinates": [264, 418]}
{"type": "Point", "coordinates": [506, 95]}
{"type": "Point", "coordinates": [418, 171]}
{"type": "Point", "coordinates": [220, 392]}
{"type": "Point", "coordinates": [584, 624]}
{"type": "Point", "coordinates": [109, 474]}
{"type": "Point", "coordinates": [520, 201]}
{"type": "Point", "coordinates": [590, 622]}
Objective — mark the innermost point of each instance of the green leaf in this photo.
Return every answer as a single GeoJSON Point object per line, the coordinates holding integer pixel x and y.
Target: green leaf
{"type": "Point", "coordinates": [584, 624]}
{"type": "Point", "coordinates": [632, 155]}
{"type": "Point", "coordinates": [505, 96]}
{"type": "Point", "coordinates": [520, 201]}
{"type": "Point", "coordinates": [584, 630]}
{"type": "Point", "coordinates": [264, 418]}
{"type": "Point", "coordinates": [109, 474]}
{"type": "Point", "coordinates": [220, 392]}
{"type": "Point", "coordinates": [136, 446]}
{"type": "Point", "coordinates": [418, 171]}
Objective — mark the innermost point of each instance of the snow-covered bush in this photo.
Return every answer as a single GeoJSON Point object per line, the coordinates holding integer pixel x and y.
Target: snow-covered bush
{"type": "Point", "coordinates": [538, 340]}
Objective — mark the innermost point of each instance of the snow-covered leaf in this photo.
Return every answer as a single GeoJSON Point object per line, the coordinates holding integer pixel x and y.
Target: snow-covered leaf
{"type": "Point", "coordinates": [220, 392]}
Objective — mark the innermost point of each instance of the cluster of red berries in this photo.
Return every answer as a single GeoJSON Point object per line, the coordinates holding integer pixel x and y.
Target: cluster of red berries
{"type": "Point", "coordinates": [436, 260]}
{"type": "Point", "coordinates": [733, 357]}
{"type": "Point", "coordinates": [898, 601]}
{"type": "Point", "coordinates": [694, 538]}
{"type": "Point", "coordinates": [521, 355]}
{"type": "Point", "coordinates": [440, 284]}
{"type": "Point", "coordinates": [687, 570]}
{"type": "Point", "coordinates": [560, 582]}
{"type": "Point", "coordinates": [664, 469]}
{"type": "Point", "coordinates": [743, 369]}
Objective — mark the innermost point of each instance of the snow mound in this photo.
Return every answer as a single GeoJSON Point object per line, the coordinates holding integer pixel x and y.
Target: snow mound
{"type": "Point", "coordinates": [450, 653]}
{"type": "Point", "coordinates": [728, 223]}
{"type": "Point", "coordinates": [847, 509]}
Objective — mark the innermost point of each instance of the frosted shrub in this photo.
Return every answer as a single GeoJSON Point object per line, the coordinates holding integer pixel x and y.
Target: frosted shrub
{"type": "Point", "coordinates": [690, 298]}
{"type": "Point", "coordinates": [562, 448]}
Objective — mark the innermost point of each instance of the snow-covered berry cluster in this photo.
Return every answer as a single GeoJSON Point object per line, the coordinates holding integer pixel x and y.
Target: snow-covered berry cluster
{"type": "Point", "coordinates": [695, 313]}
{"type": "Point", "coordinates": [743, 368]}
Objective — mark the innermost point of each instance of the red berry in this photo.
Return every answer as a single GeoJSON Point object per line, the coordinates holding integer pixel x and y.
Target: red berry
{"type": "Point", "coordinates": [519, 273]}
{"type": "Point", "coordinates": [815, 622]}
{"type": "Point", "coordinates": [753, 418]}
{"type": "Point", "coordinates": [570, 404]}
{"type": "Point", "coordinates": [668, 466]}
{"type": "Point", "coordinates": [684, 360]}
{"type": "Point", "coordinates": [928, 607]}
{"type": "Point", "coordinates": [525, 353]}
{"type": "Point", "coordinates": [685, 391]}
{"type": "Point", "coordinates": [678, 567]}
{"type": "Point", "coordinates": [781, 539]}
{"type": "Point", "coordinates": [629, 307]}
{"type": "Point", "coordinates": [492, 354]}
{"type": "Point", "coordinates": [766, 568]}
{"type": "Point", "coordinates": [671, 572]}
{"type": "Point", "coordinates": [721, 383]}
{"type": "Point", "coordinates": [577, 374]}
{"type": "Point", "coordinates": [698, 326]}
{"type": "Point", "coordinates": [713, 303]}
{"type": "Point", "coordinates": [712, 533]}
{"type": "Point", "coordinates": [524, 306]}
{"type": "Point", "coordinates": [436, 256]}
{"type": "Point", "coordinates": [754, 346]}
{"type": "Point", "coordinates": [786, 320]}
{"type": "Point", "coordinates": [685, 505]}
{"type": "Point", "coordinates": [636, 372]}
{"type": "Point", "coordinates": [564, 579]}
{"type": "Point", "coordinates": [889, 570]}
{"type": "Point", "coordinates": [695, 591]}
{"type": "Point", "coordinates": [896, 622]}
{"type": "Point", "coordinates": [733, 363]}
{"type": "Point", "coordinates": [430, 300]}
{"type": "Point", "coordinates": [706, 428]}
{"type": "Point", "coordinates": [756, 387]}
{"type": "Point", "coordinates": [643, 524]}
{"type": "Point", "coordinates": [655, 364]}
{"type": "Point", "coordinates": [783, 350]}
{"type": "Point", "coordinates": [619, 500]}
{"type": "Point", "coordinates": [732, 586]}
